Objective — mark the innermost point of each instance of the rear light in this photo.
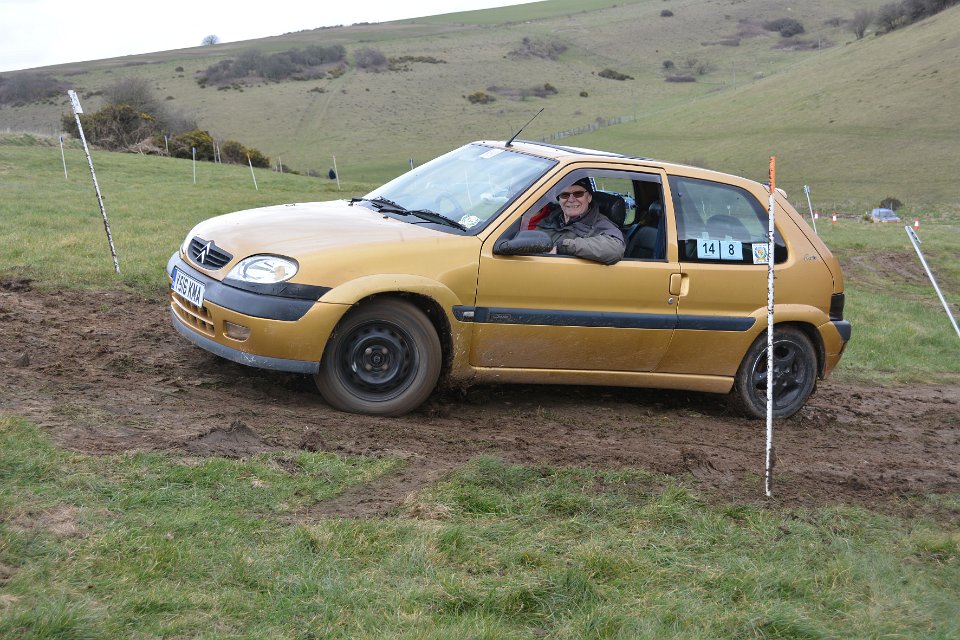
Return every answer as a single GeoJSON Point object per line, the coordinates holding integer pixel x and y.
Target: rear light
{"type": "Point", "coordinates": [836, 306]}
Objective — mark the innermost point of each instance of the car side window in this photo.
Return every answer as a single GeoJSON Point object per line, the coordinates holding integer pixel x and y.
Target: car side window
{"type": "Point", "coordinates": [721, 223]}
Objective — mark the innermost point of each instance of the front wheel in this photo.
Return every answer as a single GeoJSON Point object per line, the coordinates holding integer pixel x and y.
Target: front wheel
{"type": "Point", "coordinates": [794, 374]}
{"type": "Point", "coordinates": [382, 359]}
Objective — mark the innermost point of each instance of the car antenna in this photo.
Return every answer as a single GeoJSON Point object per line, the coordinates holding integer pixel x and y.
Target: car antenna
{"type": "Point", "coordinates": [510, 141]}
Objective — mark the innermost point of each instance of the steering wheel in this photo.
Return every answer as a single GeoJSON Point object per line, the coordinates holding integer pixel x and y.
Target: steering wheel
{"type": "Point", "coordinates": [446, 196]}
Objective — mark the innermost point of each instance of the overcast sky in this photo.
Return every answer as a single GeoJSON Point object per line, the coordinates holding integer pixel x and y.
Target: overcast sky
{"type": "Point", "coordinates": [37, 33]}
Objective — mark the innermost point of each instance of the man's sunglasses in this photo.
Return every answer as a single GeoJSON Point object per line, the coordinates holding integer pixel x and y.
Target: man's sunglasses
{"type": "Point", "coordinates": [564, 195]}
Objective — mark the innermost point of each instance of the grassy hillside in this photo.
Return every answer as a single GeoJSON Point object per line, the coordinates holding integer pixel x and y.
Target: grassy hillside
{"type": "Point", "coordinates": [857, 123]}
{"type": "Point", "coordinates": [857, 120]}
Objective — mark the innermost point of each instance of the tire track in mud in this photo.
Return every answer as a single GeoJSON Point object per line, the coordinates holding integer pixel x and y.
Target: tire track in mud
{"type": "Point", "coordinates": [104, 372]}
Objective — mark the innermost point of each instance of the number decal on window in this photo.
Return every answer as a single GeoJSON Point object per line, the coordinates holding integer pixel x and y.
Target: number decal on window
{"type": "Point", "coordinates": [719, 250]}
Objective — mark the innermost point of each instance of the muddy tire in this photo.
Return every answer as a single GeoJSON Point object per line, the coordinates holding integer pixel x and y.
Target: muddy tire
{"type": "Point", "coordinates": [795, 374]}
{"type": "Point", "coordinates": [383, 359]}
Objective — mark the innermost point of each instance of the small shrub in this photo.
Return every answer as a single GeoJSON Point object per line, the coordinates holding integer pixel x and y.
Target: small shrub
{"type": "Point", "coordinates": [786, 26]}
{"type": "Point", "coordinates": [891, 15]}
{"type": "Point", "coordinates": [179, 69]}
{"type": "Point", "coordinates": [614, 75]}
{"type": "Point", "coordinates": [115, 127]}
{"type": "Point", "coordinates": [666, 13]}
{"type": "Point", "coordinates": [539, 48]}
{"type": "Point", "coordinates": [668, 64]}
{"type": "Point", "coordinates": [480, 97]}
{"type": "Point", "coordinates": [862, 19]}
{"type": "Point", "coordinates": [681, 78]}
{"type": "Point", "coordinates": [891, 203]}
{"type": "Point", "coordinates": [370, 59]}
{"type": "Point", "coordinates": [584, 94]}
{"type": "Point", "coordinates": [182, 146]}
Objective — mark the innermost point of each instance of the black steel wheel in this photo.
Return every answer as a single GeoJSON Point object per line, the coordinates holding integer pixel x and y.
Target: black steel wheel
{"type": "Point", "coordinates": [794, 374]}
{"type": "Point", "coordinates": [382, 359]}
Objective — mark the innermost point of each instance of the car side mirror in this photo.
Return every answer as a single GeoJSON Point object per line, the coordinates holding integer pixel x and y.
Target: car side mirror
{"type": "Point", "coordinates": [526, 242]}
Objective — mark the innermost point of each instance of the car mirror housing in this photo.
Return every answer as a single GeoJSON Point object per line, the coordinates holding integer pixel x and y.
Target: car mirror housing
{"type": "Point", "coordinates": [526, 242]}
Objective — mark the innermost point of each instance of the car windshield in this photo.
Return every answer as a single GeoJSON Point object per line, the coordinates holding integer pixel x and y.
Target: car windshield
{"type": "Point", "coordinates": [469, 185]}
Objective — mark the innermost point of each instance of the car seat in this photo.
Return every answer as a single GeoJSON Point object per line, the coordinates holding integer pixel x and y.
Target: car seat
{"type": "Point", "coordinates": [725, 226]}
{"type": "Point", "coordinates": [646, 241]}
{"type": "Point", "coordinates": [612, 206]}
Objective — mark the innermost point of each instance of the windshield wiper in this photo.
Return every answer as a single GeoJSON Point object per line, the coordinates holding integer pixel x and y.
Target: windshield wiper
{"type": "Point", "coordinates": [379, 203]}
{"type": "Point", "coordinates": [432, 216]}
{"type": "Point", "coordinates": [384, 205]}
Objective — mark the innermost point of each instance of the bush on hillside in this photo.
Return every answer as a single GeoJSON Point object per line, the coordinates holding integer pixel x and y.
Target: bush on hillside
{"type": "Point", "coordinates": [233, 152]}
{"type": "Point", "coordinates": [681, 78]}
{"type": "Point", "coordinates": [862, 19]}
{"type": "Point", "coordinates": [538, 91]}
{"type": "Point", "coordinates": [614, 75]}
{"type": "Point", "coordinates": [135, 92]}
{"type": "Point", "coordinates": [370, 59]}
{"type": "Point", "coordinates": [891, 15]}
{"type": "Point", "coordinates": [182, 146]}
{"type": "Point", "coordinates": [900, 14]}
{"type": "Point", "coordinates": [891, 203]}
{"type": "Point", "coordinates": [402, 63]}
{"type": "Point", "coordinates": [786, 26]}
{"type": "Point", "coordinates": [253, 65]}
{"type": "Point", "coordinates": [666, 13]}
{"type": "Point", "coordinates": [480, 97]}
{"type": "Point", "coordinates": [539, 48]}
{"type": "Point", "coordinates": [115, 127]}
{"type": "Point", "coordinates": [27, 87]}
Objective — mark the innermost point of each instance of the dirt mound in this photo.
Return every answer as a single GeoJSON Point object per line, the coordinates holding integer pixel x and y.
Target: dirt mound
{"type": "Point", "coordinates": [236, 441]}
{"type": "Point", "coordinates": [104, 372]}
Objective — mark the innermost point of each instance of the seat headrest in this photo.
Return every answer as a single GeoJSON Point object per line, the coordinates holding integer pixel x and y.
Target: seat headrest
{"type": "Point", "coordinates": [612, 206]}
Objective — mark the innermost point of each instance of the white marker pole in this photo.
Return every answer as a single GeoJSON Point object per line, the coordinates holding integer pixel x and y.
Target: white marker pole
{"type": "Point", "coordinates": [813, 218]}
{"type": "Point", "coordinates": [915, 240]}
{"type": "Point", "coordinates": [335, 172]}
{"type": "Point", "coordinates": [193, 152]}
{"type": "Point", "coordinates": [64, 159]}
{"type": "Point", "coordinates": [250, 162]}
{"type": "Point", "coordinates": [77, 110]}
{"type": "Point", "coordinates": [770, 372]}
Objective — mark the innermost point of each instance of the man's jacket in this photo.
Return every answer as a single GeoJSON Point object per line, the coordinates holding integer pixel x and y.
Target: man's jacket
{"type": "Point", "coordinates": [591, 236]}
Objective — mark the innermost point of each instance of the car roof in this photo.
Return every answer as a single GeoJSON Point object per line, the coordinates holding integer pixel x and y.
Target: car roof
{"type": "Point", "coordinates": [567, 153]}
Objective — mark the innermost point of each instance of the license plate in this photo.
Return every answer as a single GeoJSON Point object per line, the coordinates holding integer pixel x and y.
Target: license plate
{"type": "Point", "coordinates": [188, 287]}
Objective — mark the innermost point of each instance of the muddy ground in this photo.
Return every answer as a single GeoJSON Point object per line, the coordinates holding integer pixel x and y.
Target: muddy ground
{"type": "Point", "coordinates": [104, 372]}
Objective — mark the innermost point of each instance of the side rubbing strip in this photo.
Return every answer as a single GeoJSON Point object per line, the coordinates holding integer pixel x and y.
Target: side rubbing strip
{"type": "Point", "coordinates": [714, 323]}
{"type": "Point", "coordinates": [563, 318]}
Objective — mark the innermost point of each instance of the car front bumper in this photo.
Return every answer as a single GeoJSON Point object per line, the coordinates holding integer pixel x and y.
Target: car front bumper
{"type": "Point", "coordinates": [284, 334]}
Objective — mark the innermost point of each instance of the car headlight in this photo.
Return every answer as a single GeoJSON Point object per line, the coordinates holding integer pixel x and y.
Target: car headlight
{"type": "Point", "coordinates": [264, 269]}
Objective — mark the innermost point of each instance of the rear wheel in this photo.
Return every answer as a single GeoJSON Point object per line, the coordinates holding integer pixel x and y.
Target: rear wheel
{"type": "Point", "coordinates": [382, 359]}
{"type": "Point", "coordinates": [794, 377]}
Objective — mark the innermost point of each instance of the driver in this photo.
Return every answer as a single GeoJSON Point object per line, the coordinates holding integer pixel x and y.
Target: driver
{"type": "Point", "coordinates": [577, 228]}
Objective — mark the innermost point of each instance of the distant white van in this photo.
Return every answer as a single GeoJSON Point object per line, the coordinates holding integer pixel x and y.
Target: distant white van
{"type": "Point", "coordinates": [884, 215]}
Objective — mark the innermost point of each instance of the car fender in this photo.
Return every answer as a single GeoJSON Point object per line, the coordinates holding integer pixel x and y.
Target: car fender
{"type": "Point", "coordinates": [359, 289]}
{"type": "Point", "coordinates": [807, 317]}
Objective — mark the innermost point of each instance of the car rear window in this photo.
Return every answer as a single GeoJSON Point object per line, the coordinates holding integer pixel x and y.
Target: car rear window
{"type": "Point", "coordinates": [722, 223]}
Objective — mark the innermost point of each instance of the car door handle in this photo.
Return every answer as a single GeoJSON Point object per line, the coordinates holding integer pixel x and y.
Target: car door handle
{"type": "Point", "coordinates": [676, 284]}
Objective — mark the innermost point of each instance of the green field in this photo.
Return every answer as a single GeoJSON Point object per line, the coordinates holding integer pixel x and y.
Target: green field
{"type": "Point", "coordinates": [151, 546]}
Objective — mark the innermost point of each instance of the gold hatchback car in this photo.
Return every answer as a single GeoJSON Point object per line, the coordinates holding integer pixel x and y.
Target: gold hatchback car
{"type": "Point", "coordinates": [447, 271]}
